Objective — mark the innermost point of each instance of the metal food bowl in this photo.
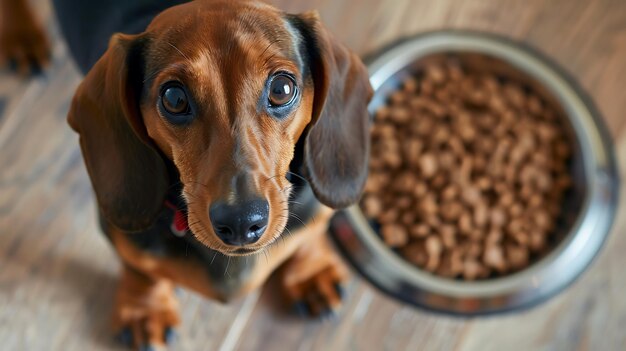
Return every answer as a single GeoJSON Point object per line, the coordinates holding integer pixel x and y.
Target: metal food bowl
{"type": "Point", "coordinates": [588, 208]}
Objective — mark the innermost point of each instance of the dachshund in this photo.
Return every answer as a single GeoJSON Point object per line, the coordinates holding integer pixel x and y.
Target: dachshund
{"type": "Point", "coordinates": [219, 140]}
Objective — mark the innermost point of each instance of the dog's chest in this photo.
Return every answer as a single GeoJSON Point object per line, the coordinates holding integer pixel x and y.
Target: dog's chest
{"type": "Point", "coordinates": [229, 275]}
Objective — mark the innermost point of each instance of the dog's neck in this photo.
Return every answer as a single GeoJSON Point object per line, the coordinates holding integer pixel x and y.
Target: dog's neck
{"type": "Point", "coordinates": [162, 240]}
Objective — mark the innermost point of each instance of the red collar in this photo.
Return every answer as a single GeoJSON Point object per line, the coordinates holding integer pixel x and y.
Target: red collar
{"type": "Point", "coordinates": [179, 225]}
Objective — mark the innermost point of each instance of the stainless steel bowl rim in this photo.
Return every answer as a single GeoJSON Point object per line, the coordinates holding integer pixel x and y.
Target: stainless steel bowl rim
{"type": "Point", "coordinates": [570, 258]}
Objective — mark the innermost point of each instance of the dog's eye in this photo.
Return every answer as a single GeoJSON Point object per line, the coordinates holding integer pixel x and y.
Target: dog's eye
{"type": "Point", "coordinates": [174, 100]}
{"type": "Point", "coordinates": [282, 90]}
{"type": "Point", "coordinates": [175, 103]}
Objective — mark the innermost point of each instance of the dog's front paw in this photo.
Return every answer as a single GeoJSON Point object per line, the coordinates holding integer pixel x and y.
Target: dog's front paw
{"type": "Point", "coordinates": [316, 284]}
{"type": "Point", "coordinates": [146, 313]}
{"type": "Point", "coordinates": [126, 337]}
{"type": "Point", "coordinates": [23, 43]}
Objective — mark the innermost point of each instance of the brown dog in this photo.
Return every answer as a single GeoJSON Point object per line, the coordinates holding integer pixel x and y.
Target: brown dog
{"type": "Point", "coordinates": [244, 123]}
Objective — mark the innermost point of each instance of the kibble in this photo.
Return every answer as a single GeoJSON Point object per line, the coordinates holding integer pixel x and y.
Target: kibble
{"type": "Point", "coordinates": [467, 173]}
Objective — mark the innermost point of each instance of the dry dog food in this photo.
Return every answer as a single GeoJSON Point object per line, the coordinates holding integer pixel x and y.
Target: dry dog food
{"type": "Point", "coordinates": [467, 173]}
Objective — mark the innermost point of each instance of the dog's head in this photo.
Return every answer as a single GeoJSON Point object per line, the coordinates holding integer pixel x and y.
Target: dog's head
{"type": "Point", "coordinates": [222, 92]}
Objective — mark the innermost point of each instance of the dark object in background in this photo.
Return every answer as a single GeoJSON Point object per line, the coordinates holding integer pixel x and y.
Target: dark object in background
{"type": "Point", "coordinates": [87, 26]}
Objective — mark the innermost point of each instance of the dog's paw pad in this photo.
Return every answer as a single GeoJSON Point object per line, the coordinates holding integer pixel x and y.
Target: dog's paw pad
{"type": "Point", "coordinates": [145, 337]}
{"type": "Point", "coordinates": [319, 295]}
{"type": "Point", "coordinates": [340, 288]}
{"type": "Point", "coordinates": [24, 48]}
{"type": "Point", "coordinates": [125, 337]}
{"type": "Point", "coordinates": [301, 309]}
{"type": "Point", "coordinates": [169, 335]}
{"type": "Point", "coordinates": [146, 327]}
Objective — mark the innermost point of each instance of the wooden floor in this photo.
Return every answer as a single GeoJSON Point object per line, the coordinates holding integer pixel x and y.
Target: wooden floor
{"type": "Point", "coordinates": [58, 275]}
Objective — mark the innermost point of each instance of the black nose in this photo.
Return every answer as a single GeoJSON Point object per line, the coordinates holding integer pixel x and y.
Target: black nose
{"type": "Point", "coordinates": [239, 224]}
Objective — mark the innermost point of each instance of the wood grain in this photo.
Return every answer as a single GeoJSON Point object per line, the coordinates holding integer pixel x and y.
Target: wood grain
{"type": "Point", "coordinates": [58, 274]}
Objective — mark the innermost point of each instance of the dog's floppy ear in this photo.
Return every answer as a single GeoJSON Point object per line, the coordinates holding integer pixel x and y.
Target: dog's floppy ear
{"type": "Point", "coordinates": [127, 173]}
{"type": "Point", "coordinates": [336, 149]}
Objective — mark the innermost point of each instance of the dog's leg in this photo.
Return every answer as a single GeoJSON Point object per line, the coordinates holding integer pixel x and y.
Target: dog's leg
{"type": "Point", "coordinates": [146, 310]}
{"type": "Point", "coordinates": [23, 43]}
{"type": "Point", "coordinates": [314, 277]}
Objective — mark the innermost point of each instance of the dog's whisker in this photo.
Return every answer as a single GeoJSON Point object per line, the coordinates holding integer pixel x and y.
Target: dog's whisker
{"type": "Point", "coordinates": [202, 184]}
{"type": "Point", "coordinates": [288, 187]}
{"type": "Point", "coordinates": [151, 75]}
{"type": "Point", "coordinates": [177, 49]}
{"type": "Point", "coordinates": [270, 178]}
{"type": "Point", "coordinates": [190, 194]}
{"type": "Point", "coordinates": [295, 187]}
{"type": "Point", "coordinates": [226, 269]}
{"type": "Point", "coordinates": [298, 176]}
{"type": "Point", "coordinates": [288, 231]}
{"type": "Point", "coordinates": [293, 215]}
{"type": "Point", "coordinates": [278, 40]}
{"type": "Point", "coordinates": [177, 183]}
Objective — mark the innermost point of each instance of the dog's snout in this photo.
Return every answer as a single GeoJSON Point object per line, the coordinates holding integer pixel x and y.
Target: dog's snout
{"type": "Point", "coordinates": [239, 224]}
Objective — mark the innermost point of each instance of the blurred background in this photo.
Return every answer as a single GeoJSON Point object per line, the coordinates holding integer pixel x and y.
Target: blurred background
{"type": "Point", "coordinates": [58, 274]}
